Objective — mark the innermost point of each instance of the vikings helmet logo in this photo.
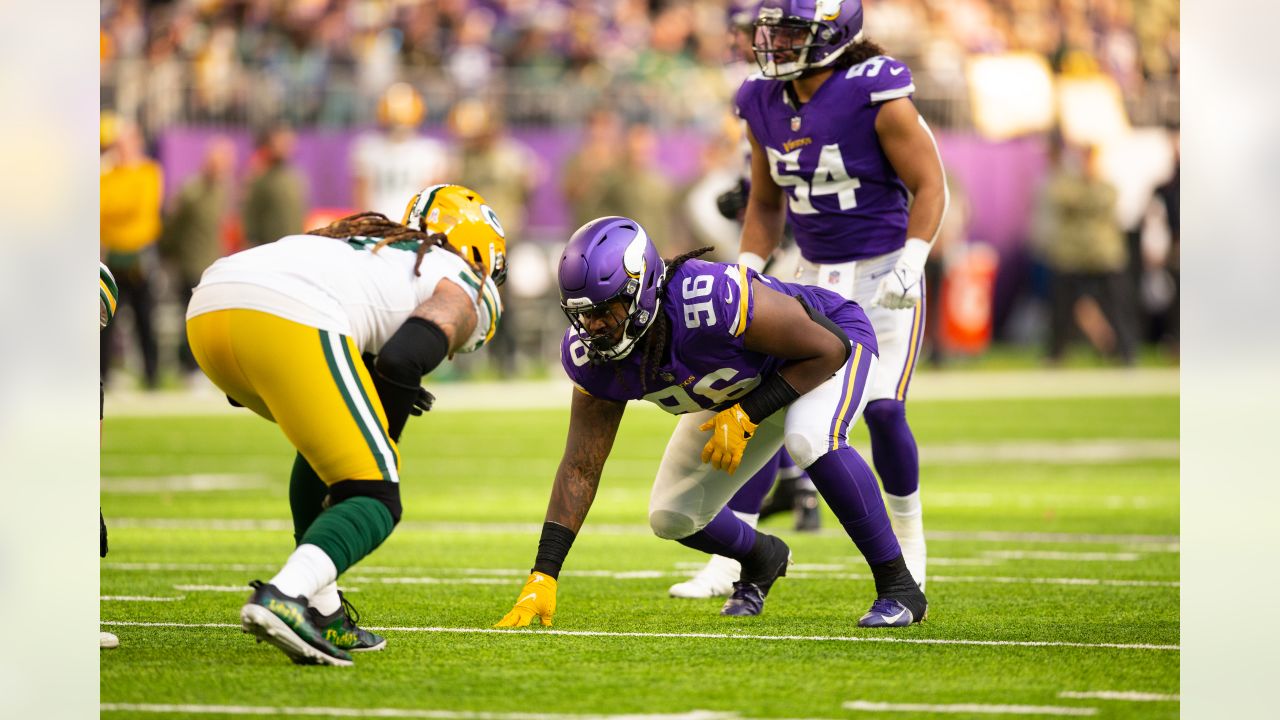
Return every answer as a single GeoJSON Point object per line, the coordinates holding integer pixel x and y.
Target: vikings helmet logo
{"type": "Point", "coordinates": [828, 9]}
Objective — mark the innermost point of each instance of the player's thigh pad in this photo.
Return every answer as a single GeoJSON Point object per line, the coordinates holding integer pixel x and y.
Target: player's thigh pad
{"type": "Point", "coordinates": [819, 421]}
{"type": "Point", "coordinates": [315, 385]}
{"type": "Point", "coordinates": [687, 493]}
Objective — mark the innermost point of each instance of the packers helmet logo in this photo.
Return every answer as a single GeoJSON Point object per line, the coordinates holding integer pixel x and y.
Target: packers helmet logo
{"type": "Point", "coordinates": [491, 217]}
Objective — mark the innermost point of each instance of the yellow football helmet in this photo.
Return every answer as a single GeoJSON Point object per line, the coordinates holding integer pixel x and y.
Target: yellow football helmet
{"type": "Point", "coordinates": [471, 226]}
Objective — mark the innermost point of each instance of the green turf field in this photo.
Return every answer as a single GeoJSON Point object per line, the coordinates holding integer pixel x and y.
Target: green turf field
{"type": "Point", "coordinates": [1053, 571]}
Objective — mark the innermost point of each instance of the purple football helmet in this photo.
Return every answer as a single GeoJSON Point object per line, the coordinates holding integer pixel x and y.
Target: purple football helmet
{"type": "Point", "coordinates": [793, 36]}
{"type": "Point", "coordinates": [610, 259]}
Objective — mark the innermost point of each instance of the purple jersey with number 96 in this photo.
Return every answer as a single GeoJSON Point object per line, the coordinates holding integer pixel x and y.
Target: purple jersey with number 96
{"type": "Point", "coordinates": [844, 200]}
{"type": "Point", "coordinates": [709, 307]}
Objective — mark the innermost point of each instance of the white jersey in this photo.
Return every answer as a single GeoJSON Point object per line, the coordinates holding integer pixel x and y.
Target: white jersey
{"type": "Point", "coordinates": [396, 170]}
{"type": "Point", "coordinates": [343, 287]}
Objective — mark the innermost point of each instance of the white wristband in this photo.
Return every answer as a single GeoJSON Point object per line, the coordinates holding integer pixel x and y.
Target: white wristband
{"type": "Point", "coordinates": [915, 253]}
{"type": "Point", "coordinates": [751, 260]}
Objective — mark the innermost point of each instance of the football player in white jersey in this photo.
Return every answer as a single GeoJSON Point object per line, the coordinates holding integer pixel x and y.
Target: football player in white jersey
{"type": "Point", "coordinates": [108, 299]}
{"type": "Point", "coordinates": [282, 329]}
{"type": "Point", "coordinates": [393, 164]}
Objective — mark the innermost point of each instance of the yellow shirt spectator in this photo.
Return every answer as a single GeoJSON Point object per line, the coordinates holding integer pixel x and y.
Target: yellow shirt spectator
{"type": "Point", "coordinates": [130, 206]}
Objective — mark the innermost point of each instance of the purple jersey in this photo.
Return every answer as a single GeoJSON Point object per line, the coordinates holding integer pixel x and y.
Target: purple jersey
{"type": "Point", "coordinates": [708, 307]}
{"type": "Point", "coordinates": [845, 201]}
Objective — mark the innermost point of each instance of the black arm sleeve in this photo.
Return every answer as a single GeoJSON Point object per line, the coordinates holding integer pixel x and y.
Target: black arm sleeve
{"type": "Point", "coordinates": [768, 398]}
{"type": "Point", "coordinates": [413, 351]}
{"type": "Point", "coordinates": [553, 548]}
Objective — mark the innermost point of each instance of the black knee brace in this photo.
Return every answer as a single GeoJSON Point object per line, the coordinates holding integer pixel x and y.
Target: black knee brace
{"type": "Point", "coordinates": [384, 491]}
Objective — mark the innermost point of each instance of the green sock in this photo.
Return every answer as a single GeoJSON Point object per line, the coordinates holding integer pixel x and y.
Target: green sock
{"type": "Point", "coordinates": [350, 530]}
{"type": "Point", "coordinates": [306, 496]}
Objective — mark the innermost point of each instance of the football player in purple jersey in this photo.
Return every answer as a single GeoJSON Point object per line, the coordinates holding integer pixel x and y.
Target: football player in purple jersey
{"type": "Point", "coordinates": [834, 133]}
{"type": "Point", "coordinates": [750, 364]}
{"type": "Point", "coordinates": [795, 491]}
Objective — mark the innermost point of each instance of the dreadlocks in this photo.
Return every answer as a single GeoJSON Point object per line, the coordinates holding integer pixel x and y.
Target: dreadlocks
{"type": "Point", "coordinates": [377, 225]}
{"type": "Point", "coordinates": [659, 335]}
{"type": "Point", "coordinates": [860, 51]}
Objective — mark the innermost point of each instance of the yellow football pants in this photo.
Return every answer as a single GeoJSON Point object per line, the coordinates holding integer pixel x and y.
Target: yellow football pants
{"type": "Point", "coordinates": [311, 382]}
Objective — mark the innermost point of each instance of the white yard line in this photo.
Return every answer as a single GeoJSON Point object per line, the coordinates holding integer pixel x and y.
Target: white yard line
{"type": "Point", "coordinates": [395, 713]}
{"type": "Point", "coordinates": [1040, 452]}
{"type": "Point", "coordinates": [139, 598]}
{"type": "Point", "coordinates": [1071, 452]}
{"type": "Point", "coordinates": [501, 576]}
{"type": "Point", "coordinates": [1122, 695]}
{"type": "Point", "coordinates": [239, 588]}
{"type": "Point", "coordinates": [185, 567]}
{"type": "Point", "coordinates": [182, 483]}
{"type": "Point", "coordinates": [704, 636]}
{"type": "Point", "coordinates": [1055, 581]}
{"type": "Point", "coordinates": [431, 580]}
{"type": "Point", "coordinates": [969, 708]}
{"type": "Point", "coordinates": [1044, 537]}
{"type": "Point", "coordinates": [1057, 555]}
{"type": "Point", "coordinates": [1167, 542]}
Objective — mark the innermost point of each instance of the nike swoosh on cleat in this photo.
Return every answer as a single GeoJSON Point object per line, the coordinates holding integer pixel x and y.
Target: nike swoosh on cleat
{"type": "Point", "coordinates": [891, 619]}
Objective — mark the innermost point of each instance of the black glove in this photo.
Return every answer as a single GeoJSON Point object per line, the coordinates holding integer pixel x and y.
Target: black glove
{"type": "Point", "coordinates": [422, 403]}
{"type": "Point", "coordinates": [732, 202]}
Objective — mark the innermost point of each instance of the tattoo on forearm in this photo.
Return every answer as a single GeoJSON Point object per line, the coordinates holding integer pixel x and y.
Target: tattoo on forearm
{"type": "Point", "coordinates": [592, 428]}
{"type": "Point", "coordinates": [452, 309]}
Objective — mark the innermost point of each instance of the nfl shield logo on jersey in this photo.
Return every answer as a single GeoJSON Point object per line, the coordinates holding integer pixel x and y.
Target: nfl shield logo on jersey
{"type": "Point", "coordinates": [834, 277]}
{"type": "Point", "coordinates": [795, 123]}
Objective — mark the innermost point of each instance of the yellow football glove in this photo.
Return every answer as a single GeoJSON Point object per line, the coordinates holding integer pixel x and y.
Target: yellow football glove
{"type": "Point", "coordinates": [537, 599]}
{"type": "Point", "coordinates": [730, 431]}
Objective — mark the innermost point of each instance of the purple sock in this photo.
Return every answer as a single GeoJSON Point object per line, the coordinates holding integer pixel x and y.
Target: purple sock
{"type": "Point", "coordinates": [851, 490]}
{"type": "Point", "coordinates": [751, 496]}
{"type": "Point", "coordinates": [725, 535]}
{"type": "Point", "coordinates": [893, 447]}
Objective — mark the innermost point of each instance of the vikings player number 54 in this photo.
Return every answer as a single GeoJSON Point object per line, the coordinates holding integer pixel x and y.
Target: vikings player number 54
{"type": "Point", "coordinates": [829, 178]}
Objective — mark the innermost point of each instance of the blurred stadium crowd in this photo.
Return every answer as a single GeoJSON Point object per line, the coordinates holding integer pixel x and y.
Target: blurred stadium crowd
{"type": "Point", "coordinates": [233, 122]}
{"type": "Point", "coordinates": [549, 61]}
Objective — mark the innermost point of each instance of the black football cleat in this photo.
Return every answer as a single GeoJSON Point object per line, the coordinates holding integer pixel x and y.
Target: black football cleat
{"type": "Point", "coordinates": [341, 629]}
{"type": "Point", "coordinates": [287, 623]}
{"type": "Point", "coordinates": [897, 610]}
{"type": "Point", "coordinates": [808, 516]}
{"type": "Point", "coordinates": [749, 593]}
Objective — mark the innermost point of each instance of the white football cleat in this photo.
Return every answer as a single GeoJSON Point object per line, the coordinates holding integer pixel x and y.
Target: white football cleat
{"type": "Point", "coordinates": [107, 640]}
{"type": "Point", "coordinates": [715, 579]}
